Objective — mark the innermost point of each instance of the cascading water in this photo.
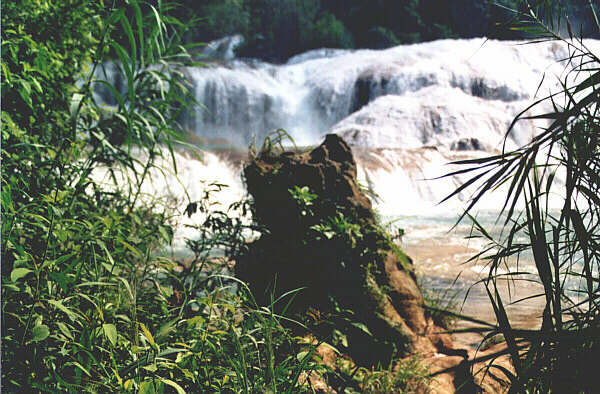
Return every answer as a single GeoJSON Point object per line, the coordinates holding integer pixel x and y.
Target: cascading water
{"type": "Point", "coordinates": [411, 109]}
{"type": "Point", "coordinates": [457, 96]}
{"type": "Point", "coordinates": [407, 111]}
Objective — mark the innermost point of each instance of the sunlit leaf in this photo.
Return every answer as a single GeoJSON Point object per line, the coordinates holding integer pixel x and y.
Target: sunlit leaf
{"type": "Point", "coordinates": [111, 332]}
{"type": "Point", "coordinates": [174, 385]}
{"type": "Point", "coordinates": [19, 273]}
{"type": "Point", "coordinates": [59, 305]}
{"type": "Point", "coordinates": [147, 387]}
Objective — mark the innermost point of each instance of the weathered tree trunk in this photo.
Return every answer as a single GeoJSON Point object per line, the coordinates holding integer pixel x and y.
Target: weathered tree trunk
{"type": "Point", "coordinates": [322, 236]}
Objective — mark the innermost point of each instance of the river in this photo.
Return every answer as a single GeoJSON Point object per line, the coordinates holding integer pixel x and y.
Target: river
{"type": "Point", "coordinates": [407, 112]}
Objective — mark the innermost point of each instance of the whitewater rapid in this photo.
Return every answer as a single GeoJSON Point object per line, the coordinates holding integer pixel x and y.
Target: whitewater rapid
{"type": "Point", "coordinates": [314, 91]}
{"type": "Point", "coordinates": [407, 111]}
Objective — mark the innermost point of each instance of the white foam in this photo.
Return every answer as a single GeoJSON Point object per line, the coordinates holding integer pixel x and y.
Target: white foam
{"type": "Point", "coordinates": [196, 176]}
{"type": "Point", "coordinates": [427, 101]}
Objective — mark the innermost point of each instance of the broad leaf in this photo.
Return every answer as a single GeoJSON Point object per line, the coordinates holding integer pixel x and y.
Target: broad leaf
{"type": "Point", "coordinates": [39, 333]}
{"type": "Point", "coordinates": [19, 273]}
{"type": "Point", "coordinates": [111, 332]}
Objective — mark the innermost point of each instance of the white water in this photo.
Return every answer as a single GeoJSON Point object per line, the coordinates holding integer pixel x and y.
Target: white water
{"type": "Point", "coordinates": [406, 111]}
{"type": "Point", "coordinates": [423, 104]}
{"type": "Point", "coordinates": [223, 49]}
{"type": "Point", "coordinates": [198, 176]}
{"type": "Point", "coordinates": [314, 91]}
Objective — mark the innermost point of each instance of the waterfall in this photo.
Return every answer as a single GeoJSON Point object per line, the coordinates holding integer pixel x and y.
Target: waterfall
{"type": "Point", "coordinates": [407, 110]}
{"type": "Point", "coordinates": [314, 91]}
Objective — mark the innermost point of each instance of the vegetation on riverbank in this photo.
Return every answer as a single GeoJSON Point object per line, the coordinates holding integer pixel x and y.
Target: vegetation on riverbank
{"type": "Point", "coordinates": [88, 303]}
{"type": "Point", "coordinates": [559, 356]}
{"type": "Point", "coordinates": [277, 29]}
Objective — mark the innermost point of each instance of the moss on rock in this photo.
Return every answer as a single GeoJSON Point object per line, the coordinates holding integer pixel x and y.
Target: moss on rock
{"type": "Point", "coordinates": [321, 234]}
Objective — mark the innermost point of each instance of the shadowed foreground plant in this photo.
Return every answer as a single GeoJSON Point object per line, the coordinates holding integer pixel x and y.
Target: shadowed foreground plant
{"type": "Point", "coordinates": [408, 376]}
{"type": "Point", "coordinates": [565, 243]}
{"type": "Point", "coordinates": [78, 255]}
{"type": "Point", "coordinates": [88, 304]}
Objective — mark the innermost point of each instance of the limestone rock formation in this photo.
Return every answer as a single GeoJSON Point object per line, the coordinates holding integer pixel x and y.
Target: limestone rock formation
{"type": "Point", "coordinates": [322, 235]}
{"type": "Point", "coordinates": [432, 116]}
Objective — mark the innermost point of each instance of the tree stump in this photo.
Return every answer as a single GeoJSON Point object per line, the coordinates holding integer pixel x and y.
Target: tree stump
{"type": "Point", "coordinates": [321, 235]}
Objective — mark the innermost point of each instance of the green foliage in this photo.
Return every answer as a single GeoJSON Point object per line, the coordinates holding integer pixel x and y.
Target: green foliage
{"type": "Point", "coordinates": [88, 304]}
{"type": "Point", "coordinates": [304, 198]}
{"type": "Point", "coordinates": [74, 254]}
{"type": "Point", "coordinates": [277, 29]}
{"type": "Point", "coordinates": [224, 18]}
{"type": "Point", "coordinates": [329, 32]}
{"type": "Point", "coordinates": [272, 144]}
{"type": "Point", "coordinates": [380, 38]}
{"type": "Point", "coordinates": [564, 244]}
{"type": "Point", "coordinates": [408, 376]}
{"type": "Point", "coordinates": [40, 66]}
{"type": "Point", "coordinates": [341, 228]}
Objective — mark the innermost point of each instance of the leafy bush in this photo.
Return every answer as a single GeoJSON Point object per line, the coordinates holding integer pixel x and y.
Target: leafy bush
{"type": "Point", "coordinates": [224, 18]}
{"type": "Point", "coordinates": [88, 304]}
{"type": "Point", "coordinates": [277, 29]}
{"type": "Point", "coordinates": [380, 38]}
{"type": "Point", "coordinates": [329, 32]}
{"type": "Point", "coordinates": [75, 255]}
{"type": "Point", "coordinates": [409, 376]}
